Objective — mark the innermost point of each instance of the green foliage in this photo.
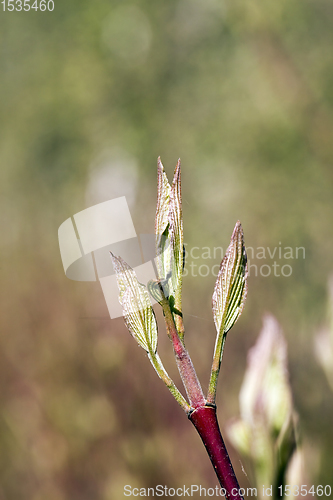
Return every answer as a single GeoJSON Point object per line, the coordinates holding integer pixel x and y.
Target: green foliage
{"type": "Point", "coordinates": [169, 234]}
{"type": "Point", "coordinates": [231, 284]}
{"type": "Point", "coordinates": [137, 310]}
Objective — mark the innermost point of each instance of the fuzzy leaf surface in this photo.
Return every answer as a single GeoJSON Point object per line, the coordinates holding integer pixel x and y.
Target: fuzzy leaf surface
{"type": "Point", "coordinates": [137, 310]}
{"type": "Point", "coordinates": [162, 223]}
{"type": "Point", "coordinates": [231, 284]}
{"type": "Point", "coordinates": [176, 235]}
{"type": "Point", "coordinates": [169, 232]}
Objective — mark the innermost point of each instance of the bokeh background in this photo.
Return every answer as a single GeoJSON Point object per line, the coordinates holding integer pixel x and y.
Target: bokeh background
{"type": "Point", "coordinates": [90, 95]}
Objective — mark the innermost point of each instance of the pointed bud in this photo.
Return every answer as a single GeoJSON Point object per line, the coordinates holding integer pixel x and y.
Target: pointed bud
{"type": "Point", "coordinates": [169, 233]}
{"type": "Point", "coordinates": [176, 235]}
{"type": "Point", "coordinates": [163, 199]}
{"type": "Point", "coordinates": [162, 223]}
{"type": "Point", "coordinates": [228, 299]}
{"type": "Point", "coordinates": [137, 310]}
{"type": "Point", "coordinates": [231, 284]}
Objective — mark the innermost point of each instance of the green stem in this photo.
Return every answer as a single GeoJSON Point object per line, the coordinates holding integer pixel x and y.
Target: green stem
{"type": "Point", "coordinates": [216, 365]}
{"type": "Point", "coordinates": [161, 372]}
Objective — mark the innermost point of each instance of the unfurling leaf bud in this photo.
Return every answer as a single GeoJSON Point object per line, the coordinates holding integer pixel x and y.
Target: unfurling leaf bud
{"type": "Point", "coordinates": [231, 283]}
{"type": "Point", "coordinates": [170, 242]}
{"type": "Point", "coordinates": [140, 321]}
{"type": "Point", "coordinates": [169, 232]}
{"type": "Point", "coordinates": [137, 310]}
{"type": "Point", "coordinates": [228, 299]}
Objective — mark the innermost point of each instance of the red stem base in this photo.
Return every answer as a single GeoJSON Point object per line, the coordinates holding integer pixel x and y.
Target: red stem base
{"type": "Point", "coordinates": [205, 421]}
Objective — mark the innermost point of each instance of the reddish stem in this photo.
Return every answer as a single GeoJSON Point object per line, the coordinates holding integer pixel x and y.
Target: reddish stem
{"type": "Point", "coordinates": [205, 421]}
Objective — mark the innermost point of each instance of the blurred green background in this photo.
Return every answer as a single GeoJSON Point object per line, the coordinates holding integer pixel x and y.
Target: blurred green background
{"type": "Point", "coordinates": [91, 94]}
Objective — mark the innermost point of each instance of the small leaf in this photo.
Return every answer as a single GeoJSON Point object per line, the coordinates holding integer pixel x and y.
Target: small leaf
{"type": "Point", "coordinates": [137, 310]}
{"type": "Point", "coordinates": [158, 289]}
{"type": "Point", "coordinates": [169, 231]}
{"type": "Point", "coordinates": [140, 320]}
{"type": "Point", "coordinates": [228, 300]}
{"type": "Point", "coordinates": [163, 198]}
{"type": "Point", "coordinates": [176, 235]}
{"type": "Point", "coordinates": [162, 223]}
{"type": "Point", "coordinates": [231, 284]}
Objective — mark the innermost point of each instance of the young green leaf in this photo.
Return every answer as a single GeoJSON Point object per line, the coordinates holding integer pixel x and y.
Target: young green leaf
{"type": "Point", "coordinates": [162, 223]}
{"type": "Point", "coordinates": [140, 321]}
{"type": "Point", "coordinates": [176, 235]}
{"type": "Point", "coordinates": [163, 199]}
{"type": "Point", "coordinates": [169, 240]}
{"type": "Point", "coordinates": [228, 299]}
{"type": "Point", "coordinates": [231, 284]}
{"type": "Point", "coordinates": [137, 310]}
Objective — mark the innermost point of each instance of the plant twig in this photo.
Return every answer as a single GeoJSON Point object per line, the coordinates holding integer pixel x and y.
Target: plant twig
{"type": "Point", "coordinates": [205, 421]}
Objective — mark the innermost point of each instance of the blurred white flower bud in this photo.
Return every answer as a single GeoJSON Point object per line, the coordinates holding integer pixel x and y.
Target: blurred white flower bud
{"type": "Point", "coordinates": [323, 342]}
{"type": "Point", "coordinates": [265, 431]}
